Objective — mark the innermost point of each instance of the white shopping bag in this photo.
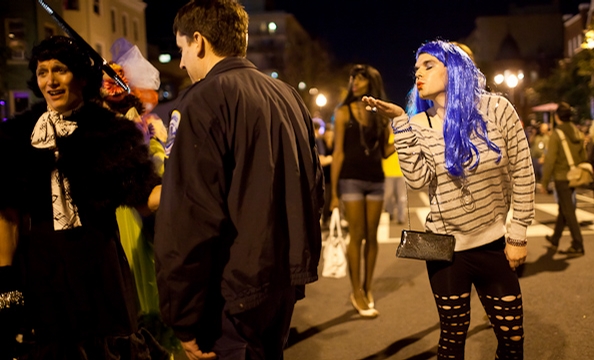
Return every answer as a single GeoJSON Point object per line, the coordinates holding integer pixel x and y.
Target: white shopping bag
{"type": "Point", "coordinates": [334, 255]}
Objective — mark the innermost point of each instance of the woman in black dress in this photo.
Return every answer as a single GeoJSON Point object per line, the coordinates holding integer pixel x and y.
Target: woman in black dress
{"type": "Point", "coordinates": [68, 163]}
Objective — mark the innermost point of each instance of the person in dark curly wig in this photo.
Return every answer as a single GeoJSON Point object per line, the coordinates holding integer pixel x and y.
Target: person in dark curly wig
{"type": "Point", "coordinates": [71, 164]}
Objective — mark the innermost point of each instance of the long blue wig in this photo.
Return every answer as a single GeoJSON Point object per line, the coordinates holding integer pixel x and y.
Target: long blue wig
{"type": "Point", "coordinates": [464, 87]}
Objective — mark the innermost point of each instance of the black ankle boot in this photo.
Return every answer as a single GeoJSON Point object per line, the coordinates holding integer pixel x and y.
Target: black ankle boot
{"type": "Point", "coordinates": [571, 251]}
{"type": "Point", "coordinates": [553, 243]}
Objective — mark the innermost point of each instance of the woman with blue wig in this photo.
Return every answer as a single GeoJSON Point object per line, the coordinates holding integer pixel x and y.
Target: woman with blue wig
{"type": "Point", "coordinates": [468, 147]}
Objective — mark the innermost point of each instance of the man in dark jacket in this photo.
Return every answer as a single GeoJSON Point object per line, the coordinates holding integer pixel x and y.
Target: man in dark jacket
{"type": "Point", "coordinates": [238, 232]}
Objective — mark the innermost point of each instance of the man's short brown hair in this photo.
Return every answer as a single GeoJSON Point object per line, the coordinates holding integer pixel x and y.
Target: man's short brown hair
{"type": "Point", "coordinates": [564, 111]}
{"type": "Point", "coordinates": [224, 23]}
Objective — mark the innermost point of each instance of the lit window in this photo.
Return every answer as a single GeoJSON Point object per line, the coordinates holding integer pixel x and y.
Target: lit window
{"type": "Point", "coordinates": [15, 30]}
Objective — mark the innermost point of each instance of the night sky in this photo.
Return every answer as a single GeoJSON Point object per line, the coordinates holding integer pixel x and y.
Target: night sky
{"type": "Point", "coordinates": [382, 33]}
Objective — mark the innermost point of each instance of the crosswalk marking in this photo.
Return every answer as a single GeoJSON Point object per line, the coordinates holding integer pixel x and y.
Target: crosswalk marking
{"type": "Point", "coordinates": [536, 229]}
{"type": "Point", "coordinates": [584, 213]}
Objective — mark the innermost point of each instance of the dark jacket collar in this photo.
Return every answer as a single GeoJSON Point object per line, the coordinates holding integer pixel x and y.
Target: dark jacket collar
{"type": "Point", "coordinates": [229, 63]}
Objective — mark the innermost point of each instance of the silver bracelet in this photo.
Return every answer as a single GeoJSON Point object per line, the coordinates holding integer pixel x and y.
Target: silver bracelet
{"type": "Point", "coordinates": [516, 242]}
{"type": "Point", "coordinates": [11, 298]}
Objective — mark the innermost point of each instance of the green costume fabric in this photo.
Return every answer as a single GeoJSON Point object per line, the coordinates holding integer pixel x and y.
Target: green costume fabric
{"type": "Point", "coordinates": [137, 241]}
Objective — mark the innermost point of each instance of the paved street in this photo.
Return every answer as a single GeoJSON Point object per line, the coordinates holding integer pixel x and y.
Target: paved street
{"type": "Point", "coordinates": [558, 298]}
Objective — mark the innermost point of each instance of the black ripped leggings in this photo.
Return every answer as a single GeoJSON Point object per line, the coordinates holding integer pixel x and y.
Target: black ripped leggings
{"type": "Point", "coordinates": [498, 288]}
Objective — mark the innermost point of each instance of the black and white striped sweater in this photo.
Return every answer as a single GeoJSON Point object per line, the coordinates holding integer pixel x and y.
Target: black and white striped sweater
{"type": "Point", "coordinates": [494, 187]}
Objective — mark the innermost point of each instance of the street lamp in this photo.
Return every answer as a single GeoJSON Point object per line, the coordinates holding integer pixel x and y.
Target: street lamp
{"type": "Point", "coordinates": [511, 79]}
{"type": "Point", "coordinates": [321, 101]}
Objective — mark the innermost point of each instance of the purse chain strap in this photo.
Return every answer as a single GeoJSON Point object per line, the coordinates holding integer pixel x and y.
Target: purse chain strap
{"type": "Point", "coordinates": [438, 207]}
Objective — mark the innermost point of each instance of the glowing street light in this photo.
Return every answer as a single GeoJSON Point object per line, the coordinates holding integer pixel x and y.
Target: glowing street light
{"type": "Point", "coordinates": [164, 58]}
{"type": "Point", "coordinates": [510, 79]}
{"type": "Point", "coordinates": [520, 75]}
{"type": "Point", "coordinates": [321, 100]}
{"type": "Point", "coordinates": [272, 27]}
{"type": "Point", "coordinates": [499, 78]}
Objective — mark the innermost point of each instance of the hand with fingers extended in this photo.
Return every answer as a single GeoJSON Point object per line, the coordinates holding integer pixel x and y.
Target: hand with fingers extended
{"type": "Point", "coordinates": [383, 108]}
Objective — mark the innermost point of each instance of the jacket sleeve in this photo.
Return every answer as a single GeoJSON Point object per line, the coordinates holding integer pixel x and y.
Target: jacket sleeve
{"type": "Point", "coordinates": [191, 218]}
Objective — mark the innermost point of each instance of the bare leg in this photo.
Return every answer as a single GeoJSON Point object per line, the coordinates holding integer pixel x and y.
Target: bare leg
{"type": "Point", "coordinates": [389, 196]}
{"type": "Point", "coordinates": [355, 214]}
{"type": "Point", "coordinates": [401, 199]}
{"type": "Point", "coordinates": [373, 213]}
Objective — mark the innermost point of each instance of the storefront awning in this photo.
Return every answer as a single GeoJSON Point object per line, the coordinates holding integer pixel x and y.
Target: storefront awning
{"type": "Point", "coordinates": [545, 107]}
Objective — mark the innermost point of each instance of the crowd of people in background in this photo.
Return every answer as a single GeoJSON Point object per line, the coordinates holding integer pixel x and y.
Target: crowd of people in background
{"type": "Point", "coordinates": [135, 251]}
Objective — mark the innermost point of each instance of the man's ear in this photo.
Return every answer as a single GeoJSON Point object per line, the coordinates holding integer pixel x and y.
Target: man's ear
{"type": "Point", "coordinates": [200, 43]}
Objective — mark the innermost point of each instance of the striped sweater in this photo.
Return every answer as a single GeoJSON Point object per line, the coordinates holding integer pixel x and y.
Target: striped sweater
{"type": "Point", "coordinates": [474, 210]}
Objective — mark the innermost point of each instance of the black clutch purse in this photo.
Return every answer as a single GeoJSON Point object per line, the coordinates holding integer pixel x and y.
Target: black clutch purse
{"type": "Point", "coordinates": [423, 245]}
{"type": "Point", "coordinates": [426, 246]}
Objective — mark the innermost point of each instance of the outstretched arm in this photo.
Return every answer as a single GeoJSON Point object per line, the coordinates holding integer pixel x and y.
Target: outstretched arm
{"type": "Point", "coordinates": [413, 151]}
{"type": "Point", "coordinates": [383, 108]}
